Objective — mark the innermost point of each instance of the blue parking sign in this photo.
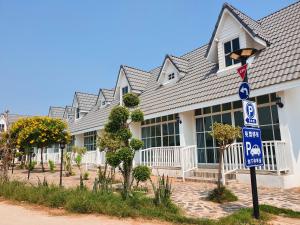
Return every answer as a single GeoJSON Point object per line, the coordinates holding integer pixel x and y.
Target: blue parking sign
{"type": "Point", "coordinates": [252, 144]}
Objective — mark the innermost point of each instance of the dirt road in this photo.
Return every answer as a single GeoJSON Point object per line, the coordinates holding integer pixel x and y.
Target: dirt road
{"type": "Point", "coordinates": [29, 215]}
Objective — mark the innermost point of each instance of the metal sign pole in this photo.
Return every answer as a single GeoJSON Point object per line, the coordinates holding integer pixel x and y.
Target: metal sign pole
{"type": "Point", "coordinates": [252, 169]}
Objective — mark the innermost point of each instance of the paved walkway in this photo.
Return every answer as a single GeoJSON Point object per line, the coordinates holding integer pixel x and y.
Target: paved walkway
{"type": "Point", "coordinates": [191, 197]}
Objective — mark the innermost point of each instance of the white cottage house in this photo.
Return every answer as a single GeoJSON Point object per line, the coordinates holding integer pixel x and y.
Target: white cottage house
{"type": "Point", "coordinates": [183, 96]}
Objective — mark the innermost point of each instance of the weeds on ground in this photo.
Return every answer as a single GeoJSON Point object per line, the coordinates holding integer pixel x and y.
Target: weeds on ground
{"type": "Point", "coordinates": [221, 195]}
{"type": "Point", "coordinates": [81, 200]}
{"type": "Point", "coordinates": [51, 166]}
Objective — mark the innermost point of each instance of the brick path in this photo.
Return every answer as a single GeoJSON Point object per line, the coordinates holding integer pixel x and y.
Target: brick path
{"type": "Point", "coordinates": [191, 197]}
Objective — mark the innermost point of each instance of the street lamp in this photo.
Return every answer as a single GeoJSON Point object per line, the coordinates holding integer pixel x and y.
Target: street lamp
{"type": "Point", "coordinates": [242, 55]}
{"type": "Point", "coordinates": [62, 146]}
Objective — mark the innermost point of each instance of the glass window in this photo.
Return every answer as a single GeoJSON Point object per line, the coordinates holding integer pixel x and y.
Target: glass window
{"type": "Point", "coordinates": [237, 104]}
{"type": "Point", "coordinates": [89, 140]}
{"type": "Point", "coordinates": [206, 110]}
{"type": "Point", "coordinates": [226, 118]}
{"type": "Point", "coordinates": [238, 118]}
{"type": "Point", "coordinates": [207, 122]}
{"type": "Point", "coordinates": [263, 99]}
{"type": "Point", "coordinates": [229, 47]}
{"type": "Point", "coordinates": [216, 108]}
{"type": "Point", "coordinates": [207, 146]}
{"type": "Point", "coordinates": [124, 90]}
{"type": "Point", "coordinates": [264, 115]}
{"type": "Point", "coordinates": [77, 113]}
{"type": "Point", "coordinates": [198, 112]}
{"type": "Point", "coordinates": [161, 133]}
{"type": "Point", "coordinates": [226, 106]}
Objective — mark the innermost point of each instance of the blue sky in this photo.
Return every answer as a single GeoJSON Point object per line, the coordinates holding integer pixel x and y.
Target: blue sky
{"type": "Point", "coordinates": [50, 49]}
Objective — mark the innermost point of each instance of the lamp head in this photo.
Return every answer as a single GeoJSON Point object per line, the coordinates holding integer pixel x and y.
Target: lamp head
{"type": "Point", "coordinates": [242, 53]}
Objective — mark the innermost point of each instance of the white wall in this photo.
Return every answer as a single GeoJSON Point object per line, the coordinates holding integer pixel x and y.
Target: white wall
{"type": "Point", "coordinates": [290, 130]}
{"type": "Point", "coordinates": [187, 128]}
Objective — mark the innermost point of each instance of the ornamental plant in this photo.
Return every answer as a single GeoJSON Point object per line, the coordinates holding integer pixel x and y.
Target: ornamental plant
{"type": "Point", "coordinates": [141, 174]}
{"type": "Point", "coordinates": [117, 139]}
{"type": "Point", "coordinates": [39, 132]}
{"type": "Point", "coordinates": [225, 135]}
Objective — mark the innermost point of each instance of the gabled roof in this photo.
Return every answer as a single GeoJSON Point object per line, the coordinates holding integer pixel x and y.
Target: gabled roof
{"type": "Point", "coordinates": [252, 26]}
{"type": "Point", "coordinates": [85, 101]}
{"type": "Point", "coordinates": [180, 64]}
{"type": "Point", "coordinates": [136, 78]}
{"type": "Point", "coordinates": [56, 112]}
{"type": "Point", "coordinates": [14, 117]}
{"type": "Point", "coordinates": [69, 110]}
{"type": "Point", "coordinates": [107, 93]}
{"type": "Point", "coordinates": [273, 68]}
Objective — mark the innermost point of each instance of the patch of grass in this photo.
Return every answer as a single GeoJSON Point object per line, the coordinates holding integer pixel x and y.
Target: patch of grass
{"type": "Point", "coordinates": [138, 205]}
{"type": "Point", "coordinates": [221, 195]}
{"type": "Point", "coordinates": [280, 211]}
{"type": "Point", "coordinates": [244, 216]}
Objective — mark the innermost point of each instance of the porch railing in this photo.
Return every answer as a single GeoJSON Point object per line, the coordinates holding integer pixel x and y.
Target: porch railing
{"type": "Point", "coordinates": [183, 158]}
{"type": "Point", "coordinates": [274, 156]}
{"type": "Point", "coordinates": [89, 158]}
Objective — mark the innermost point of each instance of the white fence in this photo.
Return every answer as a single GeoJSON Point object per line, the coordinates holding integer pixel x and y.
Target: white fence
{"type": "Point", "coordinates": [89, 158]}
{"type": "Point", "coordinates": [183, 158]}
{"type": "Point", "coordinates": [274, 156]}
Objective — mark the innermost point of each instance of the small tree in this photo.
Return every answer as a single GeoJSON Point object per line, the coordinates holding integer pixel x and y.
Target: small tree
{"type": "Point", "coordinates": [225, 135]}
{"type": "Point", "coordinates": [118, 141]}
{"type": "Point", "coordinates": [39, 132]}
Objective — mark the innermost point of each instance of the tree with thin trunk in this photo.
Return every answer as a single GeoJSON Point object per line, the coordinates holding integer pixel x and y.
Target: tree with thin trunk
{"type": "Point", "coordinates": [225, 135]}
{"type": "Point", "coordinates": [118, 140]}
{"type": "Point", "coordinates": [39, 132]}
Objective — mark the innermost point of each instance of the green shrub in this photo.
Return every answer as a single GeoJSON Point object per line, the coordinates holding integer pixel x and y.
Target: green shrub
{"type": "Point", "coordinates": [221, 195]}
{"type": "Point", "coordinates": [30, 166]}
{"type": "Point", "coordinates": [162, 192]}
{"type": "Point", "coordinates": [141, 173]}
{"type": "Point", "coordinates": [137, 115]}
{"type": "Point", "coordinates": [51, 166]}
{"type": "Point", "coordinates": [86, 175]}
{"type": "Point", "coordinates": [136, 144]}
{"type": "Point", "coordinates": [131, 100]}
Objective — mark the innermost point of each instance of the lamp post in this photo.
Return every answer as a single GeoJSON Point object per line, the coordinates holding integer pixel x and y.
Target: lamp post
{"type": "Point", "coordinates": [62, 146]}
{"type": "Point", "coordinates": [243, 55]}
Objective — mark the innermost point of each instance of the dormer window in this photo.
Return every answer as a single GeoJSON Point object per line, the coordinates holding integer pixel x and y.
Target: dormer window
{"type": "Point", "coordinates": [230, 46]}
{"type": "Point", "coordinates": [77, 113]}
{"type": "Point", "coordinates": [124, 90]}
{"type": "Point", "coordinates": [171, 76]}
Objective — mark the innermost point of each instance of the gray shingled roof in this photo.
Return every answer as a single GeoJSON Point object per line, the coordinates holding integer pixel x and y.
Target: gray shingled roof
{"type": "Point", "coordinates": [182, 64]}
{"type": "Point", "coordinates": [56, 112]}
{"type": "Point", "coordinates": [14, 117]}
{"type": "Point", "coordinates": [85, 101]}
{"type": "Point", "coordinates": [137, 78]}
{"type": "Point", "coordinates": [108, 94]}
{"type": "Point", "coordinates": [69, 110]}
{"type": "Point", "coordinates": [277, 63]}
{"type": "Point", "coordinates": [255, 28]}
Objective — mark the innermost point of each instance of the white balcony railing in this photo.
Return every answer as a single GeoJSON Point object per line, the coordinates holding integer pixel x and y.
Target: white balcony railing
{"type": "Point", "coordinates": [274, 155]}
{"type": "Point", "coordinates": [183, 158]}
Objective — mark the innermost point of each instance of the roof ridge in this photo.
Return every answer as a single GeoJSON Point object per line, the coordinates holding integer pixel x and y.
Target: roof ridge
{"type": "Point", "coordinates": [178, 57]}
{"type": "Point", "coordinates": [107, 89]}
{"type": "Point", "coordinates": [277, 11]}
{"type": "Point", "coordinates": [241, 12]}
{"type": "Point", "coordinates": [134, 68]}
{"type": "Point", "coordinates": [79, 92]}
{"type": "Point", "coordinates": [57, 107]}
